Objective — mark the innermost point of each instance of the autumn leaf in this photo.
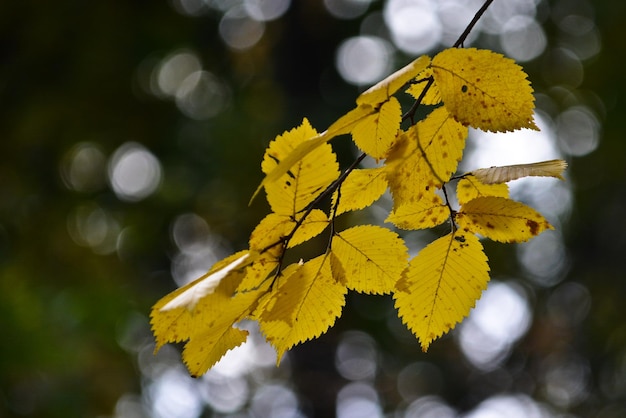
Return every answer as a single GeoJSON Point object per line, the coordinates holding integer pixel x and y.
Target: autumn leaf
{"type": "Point", "coordinates": [372, 258]}
{"type": "Point", "coordinates": [493, 175]}
{"type": "Point", "coordinates": [469, 187]}
{"type": "Point", "coordinates": [376, 133]}
{"type": "Point", "coordinates": [275, 228]}
{"type": "Point", "coordinates": [441, 285]}
{"type": "Point", "coordinates": [501, 219]}
{"type": "Point", "coordinates": [483, 89]}
{"type": "Point", "coordinates": [306, 179]}
{"type": "Point", "coordinates": [316, 303]}
{"type": "Point", "coordinates": [383, 90]}
{"type": "Point", "coordinates": [203, 313]}
{"type": "Point", "coordinates": [427, 212]}
{"type": "Point", "coordinates": [361, 188]}
{"type": "Point", "coordinates": [432, 95]}
{"type": "Point", "coordinates": [425, 156]}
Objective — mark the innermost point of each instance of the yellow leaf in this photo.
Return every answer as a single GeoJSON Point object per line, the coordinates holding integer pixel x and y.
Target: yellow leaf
{"type": "Point", "coordinates": [213, 333]}
{"type": "Point", "coordinates": [281, 303]}
{"type": "Point", "coordinates": [203, 286]}
{"type": "Point", "coordinates": [425, 157]}
{"type": "Point", "coordinates": [258, 273]}
{"type": "Point", "coordinates": [441, 141]}
{"type": "Point", "coordinates": [372, 258]}
{"type": "Point", "coordinates": [441, 285]}
{"type": "Point", "coordinates": [484, 89]}
{"type": "Point", "coordinates": [376, 134]}
{"type": "Point", "coordinates": [275, 228]}
{"type": "Point", "coordinates": [492, 175]}
{"type": "Point", "coordinates": [382, 91]}
{"type": "Point", "coordinates": [427, 212]}
{"type": "Point", "coordinates": [316, 303]}
{"type": "Point", "coordinates": [206, 321]}
{"type": "Point", "coordinates": [306, 179]}
{"type": "Point", "coordinates": [501, 219]}
{"type": "Point", "coordinates": [360, 189]}
{"type": "Point", "coordinates": [470, 187]}
{"type": "Point", "coordinates": [432, 95]}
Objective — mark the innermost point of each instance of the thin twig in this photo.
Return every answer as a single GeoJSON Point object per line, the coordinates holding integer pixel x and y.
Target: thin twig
{"type": "Point", "coordinates": [471, 25]}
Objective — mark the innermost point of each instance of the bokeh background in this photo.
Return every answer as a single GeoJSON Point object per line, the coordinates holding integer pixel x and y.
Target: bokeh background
{"type": "Point", "coordinates": [131, 135]}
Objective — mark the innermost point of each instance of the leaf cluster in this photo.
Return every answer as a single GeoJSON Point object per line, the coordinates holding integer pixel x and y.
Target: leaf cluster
{"type": "Point", "coordinates": [418, 159]}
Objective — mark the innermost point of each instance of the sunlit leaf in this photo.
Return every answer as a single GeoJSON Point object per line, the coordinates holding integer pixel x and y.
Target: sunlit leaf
{"type": "Point", "coordinates": [501, 219]}
{"type": "Point", "coordinates": [372, 258]}
{"type": "Point", "coordinates": [425, 157]}
{"type": "Point", "coordinates": [306, 179]}
{"type": "Point", "coordinates": [432, 95]}
{"type": "Point", "coordinates": [213, 332]}
{"type": "Point", "coordinates": [275, 228]}
{"type": "Point", "coordinates": [361, 188]}
{"type": "Point", "coordinates": [441, 285]}
{"type": "Point", "coordinates": [470, 187]}
{"type": "Point", "coordinates": [383, 90]}
{"type": "Point", "coordinates": [320, 299]}
{"type": "Point", "coordinates": [427, 212]}
{"type": "Point", "coordinates": [483, 89]}
{"type": "Point", "coordinates": [205, 321]}
{"type": "Point", "coordinates": [376, 134]}
{"type": "Point", "coordinates": [492, 175]}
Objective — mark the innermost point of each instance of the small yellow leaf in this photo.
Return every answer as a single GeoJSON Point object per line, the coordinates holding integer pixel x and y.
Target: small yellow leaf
{"type": "Point", "coordinates": [441, 285]}
{"type": "Point", "coordinates": [361, 188]}
{"type": "Point", "coordinates": [427, 212]}
{"type": "Point", "coordinates": [484, 89]}
{"type": "Point", "coordinates": [275, 228]}
{"type": "Point", "coordinates": [470, 187]}
{"type": "Point", "coordinates": [376, 133]}
{"type": "Point", "coordinates": [315, 306]}
{"type": "Point", "coordinates": [493, 175]}
{"type": "Point", "coordinates": [306, 179]}
{"type": "Point", "coordinates": [382, 91]}
{"type": "Point", "coordinates": [501, 219]}
{"type": "Point", "coordinates": [432, 95]}
{"type": "Point", "coordinates": [372, 258]}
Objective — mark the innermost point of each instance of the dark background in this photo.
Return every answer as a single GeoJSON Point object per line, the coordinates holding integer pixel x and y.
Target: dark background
{"type": "Point", "coordinates": [80, 266]}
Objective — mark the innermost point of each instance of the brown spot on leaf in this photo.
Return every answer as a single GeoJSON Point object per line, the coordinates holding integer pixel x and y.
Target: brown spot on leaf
{"type": "Point", "coordinates": [533, 226]}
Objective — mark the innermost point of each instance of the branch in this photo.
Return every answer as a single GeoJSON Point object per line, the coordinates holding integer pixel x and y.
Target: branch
{"type": "Point", "coordinates": [459, 42]}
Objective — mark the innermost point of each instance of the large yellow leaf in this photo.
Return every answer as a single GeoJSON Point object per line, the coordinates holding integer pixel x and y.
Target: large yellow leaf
{"type": "Point", "coordinates": [361, 188]}
{"type": "Point", "coordinates": [503, 174]}
{"type": "Point", "coordinates": [441, 285]}
{"type": "Point", "coordinates": [306, 179]}
{"type": "Point", "coordinates": [501, 219]}
{"type": "Point", "coordinates": [441, 141]}
{"type": "Point", "coordinates": [425, 157]}
{"type": "Point", "coordinates": [484, 89]}
{"type": "Point", "coordinates": [376, 134]}
{"type": "Point", "coordinates": [470, 187]}
{"type": "Point", "coordinates": [427, 212]}
{"type": "Point", "coordinates": [315, 302]}
{"type": "Point", "coordinates": [275, 228]}
{"type": "Point", "coordinates": [382, 91]}
{"type": "Point", "coordinates": [372, 258]}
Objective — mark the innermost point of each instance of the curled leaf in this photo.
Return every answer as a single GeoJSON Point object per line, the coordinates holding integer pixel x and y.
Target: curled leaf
{"type": "Point", "coordinates": [503, 174]}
